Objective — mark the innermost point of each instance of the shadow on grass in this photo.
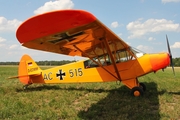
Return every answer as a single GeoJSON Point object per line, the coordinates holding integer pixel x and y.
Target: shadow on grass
{"type": "Point", "coordinates": [165, 91]}
{"type": "Point", "coordinates": [38, 88]}
{"type": "Point", "coordinates": [56, 87]}
{"type": "Point", "coordinates": [120, 105]}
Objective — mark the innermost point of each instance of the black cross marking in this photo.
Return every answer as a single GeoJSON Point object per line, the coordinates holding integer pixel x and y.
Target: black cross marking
{"type": "Point", "coordinates": [60, 74]}
{"type": "Point", "coordinates": [65, 36]}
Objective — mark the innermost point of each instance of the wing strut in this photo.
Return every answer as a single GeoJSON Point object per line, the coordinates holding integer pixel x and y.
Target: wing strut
{"type": "Point", "coordinates": [95, 61]}
{"type": "Point", "coordinates": [112, 59]}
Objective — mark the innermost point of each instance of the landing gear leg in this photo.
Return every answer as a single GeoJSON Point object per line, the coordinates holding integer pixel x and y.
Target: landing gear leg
{"type": "Point", "coordinates": [143, 86]}
{"type": "Point", "coordinates": [137, 89]}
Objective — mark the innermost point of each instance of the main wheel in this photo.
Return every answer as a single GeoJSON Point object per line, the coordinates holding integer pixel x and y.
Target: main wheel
{"type": "Point", "coordinates": [143, 86]}
{"type": "Point", "coordinates": [137, 91]}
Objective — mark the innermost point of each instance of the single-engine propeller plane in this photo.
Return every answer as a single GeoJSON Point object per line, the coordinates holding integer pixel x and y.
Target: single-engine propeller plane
{"type": "Point", "coordinates": [78, 32]}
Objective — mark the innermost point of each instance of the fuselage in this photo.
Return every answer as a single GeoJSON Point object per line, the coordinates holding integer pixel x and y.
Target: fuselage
{"type": "Point", "coordinates": [79, 72]}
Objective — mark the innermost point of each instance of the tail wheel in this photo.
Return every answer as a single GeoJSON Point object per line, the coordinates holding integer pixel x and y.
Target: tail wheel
{"type": "Point", "coordinates": [137, 91]}
{"type": "Point", "coordinates": [143, 86]}
{"type": "Point", "coordinates": [26, 86]}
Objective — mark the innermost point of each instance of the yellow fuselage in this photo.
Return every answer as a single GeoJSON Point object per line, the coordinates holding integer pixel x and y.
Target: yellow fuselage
{"type": "Point", "coordinates": [77, 72]}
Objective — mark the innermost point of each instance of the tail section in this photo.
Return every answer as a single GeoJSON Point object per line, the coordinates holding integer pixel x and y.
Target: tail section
{"type": "Point", "coordinates": [27, 70]}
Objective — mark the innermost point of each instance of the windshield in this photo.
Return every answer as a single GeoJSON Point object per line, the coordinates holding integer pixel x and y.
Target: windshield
{"type": "Point", "coordinates": [137, 52]}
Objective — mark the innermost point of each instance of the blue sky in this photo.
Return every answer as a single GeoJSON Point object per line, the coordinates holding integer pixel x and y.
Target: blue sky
{"type": "Point", "coordinates": [143, 24]}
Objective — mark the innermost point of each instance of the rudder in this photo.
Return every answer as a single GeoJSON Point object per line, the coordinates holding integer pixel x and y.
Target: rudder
{"type": "Point", "coordinates": [27, 68]}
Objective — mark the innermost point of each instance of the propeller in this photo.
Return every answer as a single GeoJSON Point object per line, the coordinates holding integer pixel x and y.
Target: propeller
{"type": "Point", "coordinates": [170, 55]}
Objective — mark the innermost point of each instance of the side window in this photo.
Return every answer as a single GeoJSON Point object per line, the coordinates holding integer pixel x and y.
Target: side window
{"type": "Point", "coordinates": [86, 64]}
{"type": "Point", "coordinates": [102, 60]}
{"type": "Point", "coordinates": [90, 64]}
{"type": "Point", "coordinates": [123, 56]}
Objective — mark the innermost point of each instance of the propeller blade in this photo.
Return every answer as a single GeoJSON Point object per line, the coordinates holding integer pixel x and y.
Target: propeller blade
{"type": "Point", "coordinates": [169, 50]}
{"type": "Point", "coordinates": [170, 55]}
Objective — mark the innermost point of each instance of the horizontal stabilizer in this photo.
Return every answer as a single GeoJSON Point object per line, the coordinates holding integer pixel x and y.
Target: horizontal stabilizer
{"type": "Point", "coordinates": [13, 77]}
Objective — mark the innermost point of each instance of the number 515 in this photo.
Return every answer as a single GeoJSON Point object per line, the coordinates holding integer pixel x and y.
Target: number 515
{"type": "Point", "coordinates": [75, 72]}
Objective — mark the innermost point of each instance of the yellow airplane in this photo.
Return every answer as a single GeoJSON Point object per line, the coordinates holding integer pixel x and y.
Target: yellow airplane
{"type": "Point", "coordinates": [78, 32]}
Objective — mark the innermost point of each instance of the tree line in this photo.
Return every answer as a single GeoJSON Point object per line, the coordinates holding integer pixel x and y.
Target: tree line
{"type": "Point", "coordinates": [176, 62]}
{"type": "Point", "coordinates": [41, 63]}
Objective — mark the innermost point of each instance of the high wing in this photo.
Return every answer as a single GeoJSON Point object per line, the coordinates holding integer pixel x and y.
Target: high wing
{"type": "Point", "coordinates": [65, 31]}
{"type": "Point", "coordinates": [72, 32]}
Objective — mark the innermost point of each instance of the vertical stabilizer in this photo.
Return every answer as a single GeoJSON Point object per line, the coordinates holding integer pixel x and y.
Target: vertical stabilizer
{"type": "Point", "coordinates": [27, 68]}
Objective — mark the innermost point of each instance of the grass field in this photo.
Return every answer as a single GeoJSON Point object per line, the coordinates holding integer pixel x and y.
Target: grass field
{"type": "Point", "coordinates": [88, 101]}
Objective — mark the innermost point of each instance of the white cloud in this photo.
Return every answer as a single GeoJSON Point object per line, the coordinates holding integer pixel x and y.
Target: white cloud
{"type": "Point", "coordinates": [120, 34]}
{"type": "Point", "coordinates": [2, 39]}
{"type": "Point", "coordinates": [166, 1]}
{"type": "Point", "coordinates": [2, 46]}
{"type": "Point", "coordinates": [139, 28]}
{"type": "Point", "coordinates": [23, 48]}
{"type": "Point", "coordinates": [55, 5]}
{"type": "Point", "coordinates": [128, 43]}
{"type": "Point", "coordinates": [114, 24]}
{"type": "Point", "coordinates": [145, 49]}
{"type": "Point", "coordinates": [176, 45]}
{"type": "Point", "coordinates": [8, 25]}
{"type": "Point", "coordinates": [151, 39]}
{"type": "Point", "coordinates": [14, 46]}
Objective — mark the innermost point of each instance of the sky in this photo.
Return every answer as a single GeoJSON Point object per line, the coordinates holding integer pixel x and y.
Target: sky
{"type": "Point", "coordinates": [143, 24]}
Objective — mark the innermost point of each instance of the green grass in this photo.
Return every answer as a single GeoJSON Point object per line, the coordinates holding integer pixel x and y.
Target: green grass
{"type": "Point", "coordinates": [88, 101]}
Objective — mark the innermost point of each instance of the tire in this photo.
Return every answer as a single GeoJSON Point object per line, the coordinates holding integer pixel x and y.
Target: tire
{"type": "Point", "coordinates": [137, 91]}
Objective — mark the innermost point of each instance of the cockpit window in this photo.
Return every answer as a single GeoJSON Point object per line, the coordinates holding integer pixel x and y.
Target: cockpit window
{"type": "Point", "coordinates": [137, 52]}
{"type": "Point", "coordinates": [119, 56]}
{"type": "Point", "coordinates": [123, 55]}
{"type": "Point", "coordinates": [103, 60]}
